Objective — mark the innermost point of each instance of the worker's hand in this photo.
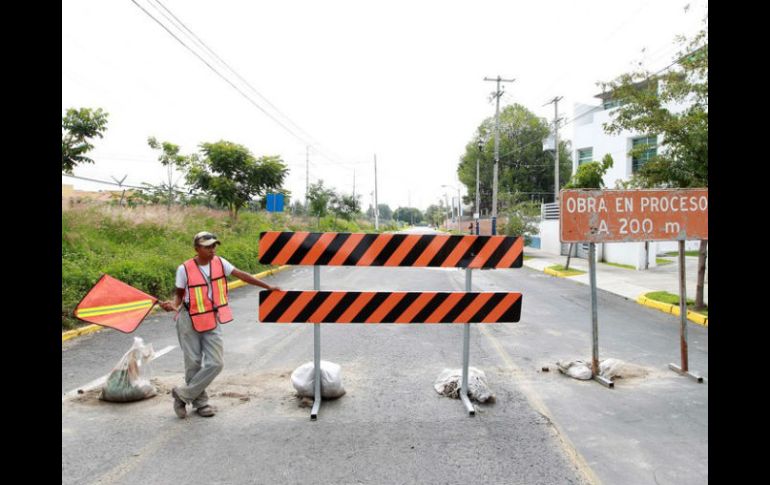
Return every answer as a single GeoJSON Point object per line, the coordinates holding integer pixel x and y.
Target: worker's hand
{"type": "Point", "coordinates": [167, 305]}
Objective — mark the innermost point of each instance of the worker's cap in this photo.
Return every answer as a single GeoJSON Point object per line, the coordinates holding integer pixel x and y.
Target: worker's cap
{"type": "Point", "coordinates": [205, 238]}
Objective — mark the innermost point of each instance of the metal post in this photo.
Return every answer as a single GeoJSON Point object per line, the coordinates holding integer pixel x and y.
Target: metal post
{"type": "Point", "coordinates": [478, 207]}
{"type": "Point", "coordinates": [683, 320]}
{"type": "Point", "coordinates": [595, 319]}
{"type": "Point", "coordinates": [316, 351]}
{"type": "Point", "coordinates": [376, 207]}
{"type": "Point", "coordinates": [466, 352]}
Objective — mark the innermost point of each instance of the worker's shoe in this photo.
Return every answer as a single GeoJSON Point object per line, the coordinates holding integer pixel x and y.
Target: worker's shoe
{"type": "Point", "coordinates": [206, 411]}
{"type": "Point", "coordinates": [180, 407]}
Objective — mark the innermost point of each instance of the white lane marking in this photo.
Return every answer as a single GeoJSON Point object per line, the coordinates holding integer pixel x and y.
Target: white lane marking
{"type": "Point", "coordinates": [101, 380]}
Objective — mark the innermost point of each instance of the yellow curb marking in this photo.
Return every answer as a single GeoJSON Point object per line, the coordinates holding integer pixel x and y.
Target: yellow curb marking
{"type": "Point", "coordinates": [694, 317]}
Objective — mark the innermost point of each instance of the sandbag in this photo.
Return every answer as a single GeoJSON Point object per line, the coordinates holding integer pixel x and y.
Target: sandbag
{"type": "Point", "coordinates": [449, 382]}
{"type": "Point", "coordinates": [130, 379]}
{"type": "Point", "coordinates": [303, 380]}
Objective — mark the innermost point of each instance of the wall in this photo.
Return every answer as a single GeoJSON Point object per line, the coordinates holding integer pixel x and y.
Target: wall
{"type": "Point", "coordinates": [630, 253]}
{"type": "Point", "coordinates": [549, 237]}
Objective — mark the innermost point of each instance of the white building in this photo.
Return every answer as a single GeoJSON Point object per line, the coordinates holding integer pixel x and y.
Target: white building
{"type": "Point", "coordinates": [591, 143]}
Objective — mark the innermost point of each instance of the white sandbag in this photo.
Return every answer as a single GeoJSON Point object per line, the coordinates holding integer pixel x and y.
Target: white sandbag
{"type": "Point", "coordinates": [575, 368]}
{"type": "Point", "coordinates": [303, 380]}
{"type": "Point", "coordinates": [448, 383]}
{"type": "Point", "coordinates": [616, 368]}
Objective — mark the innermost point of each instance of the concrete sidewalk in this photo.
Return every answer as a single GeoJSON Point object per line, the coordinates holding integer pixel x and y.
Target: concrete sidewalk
{"type": "Point", "coordinates": [628, 283]}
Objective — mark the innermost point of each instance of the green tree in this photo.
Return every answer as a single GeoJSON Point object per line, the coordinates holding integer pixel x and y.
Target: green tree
{"type": "Point", "coordinates": [169, 157]}
{"type": "Point", "coordinates": [523, 167]}
{"type": "Point", "coordinates": [522, 219]}
{"type": "Point", "coordinates": [588, 176]}
{"type": "Point", "coordinates": [345, 206]}
{"type": "Point", "coordinates": [319, 198]}
{"type": "Point", "coordinates": [231, 174]}
{"type": "Point", "coordinates": [78, 126]}
{"type": "Point", "coordinates": [386, 213]}
{"type": "Point", "coordinates": [410, 215]}
{"type": "Point", "coordinates": [435, 214]}
{"type": "Point", "coordinates": [652, 103]}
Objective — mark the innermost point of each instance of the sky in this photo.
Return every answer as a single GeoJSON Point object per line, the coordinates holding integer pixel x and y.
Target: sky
{"type": "Point", "coordinates": [351, 80]}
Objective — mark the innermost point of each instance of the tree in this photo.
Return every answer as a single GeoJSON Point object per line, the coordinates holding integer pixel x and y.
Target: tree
{"type": "Point", "coordinates": [523, 167]}
{"type": "Point", "coordinates": [386, 213]}
{"type": "Point", "coordinates": [410, 215]}
{"type": "Point", "coordinates": [649, 104]}
{"type": "Point", "coordinates": [169, 158]}
{"type": "Point", "coordinates": [78, 126]}
{"type": "Point", "coordinates": [522, 219]}
{"type": "Point", "coordinates": [345, 206]}
{"type": "Point", "coordinates": [319, 198]}
{"type": "Point", "coordinates": [231, 174]}
{"type": "Point", "coordinates": [435, 214]}
{"type": "Point", "coordinates": [588, 176]}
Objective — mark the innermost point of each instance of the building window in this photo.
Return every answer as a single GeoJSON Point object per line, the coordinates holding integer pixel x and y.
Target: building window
{"type": "Point", "coordinates": [585, 155]}
{"type": "Point", "coordinates": [638, 161]}
{"type": "Point", "coordinates": [611, 103]}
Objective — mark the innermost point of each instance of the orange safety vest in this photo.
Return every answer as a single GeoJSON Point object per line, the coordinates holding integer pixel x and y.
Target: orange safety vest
{"type": "Point", "coordinates": [203, 311]}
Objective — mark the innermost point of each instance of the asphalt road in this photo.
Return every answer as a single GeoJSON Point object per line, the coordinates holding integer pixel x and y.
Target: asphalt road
{"type": "Point", "coordinates": [391, 426]}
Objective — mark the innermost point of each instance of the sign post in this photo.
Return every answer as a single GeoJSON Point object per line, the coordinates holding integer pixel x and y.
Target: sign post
{"type": "Point", "coordinates": [598, 216]}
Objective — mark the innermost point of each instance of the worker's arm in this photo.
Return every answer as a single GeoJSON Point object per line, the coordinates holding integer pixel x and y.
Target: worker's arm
{"type": "Point", "coordinates": [172, 306]}
{"type": "Point", "coordinates": [243, 276]}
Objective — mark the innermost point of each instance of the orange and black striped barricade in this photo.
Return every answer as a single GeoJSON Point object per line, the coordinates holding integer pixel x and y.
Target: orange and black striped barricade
{"type": "Point", "coordinates": [356, 249]}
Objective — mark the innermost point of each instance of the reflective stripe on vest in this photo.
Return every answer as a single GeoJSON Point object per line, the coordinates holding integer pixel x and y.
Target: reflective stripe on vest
{"type": "Point", "coordinates": [203, 311]}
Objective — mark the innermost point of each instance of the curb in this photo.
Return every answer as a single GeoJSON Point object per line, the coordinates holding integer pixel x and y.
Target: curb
{"type": "Point", "coordinates": [673, 309]}
{"type": "Point", "coordinates": [560, 274]}
{"type": "Point", "coordinates": [231, 285]}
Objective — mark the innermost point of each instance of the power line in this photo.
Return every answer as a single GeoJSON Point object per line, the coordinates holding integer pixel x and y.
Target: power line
{"type": "Point", "coordinates": [230, 82]}
{"type": "Point", "coordinates": [148, 186]}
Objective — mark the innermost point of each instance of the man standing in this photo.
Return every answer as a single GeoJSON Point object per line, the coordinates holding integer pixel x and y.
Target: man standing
{"type": "Point", "coordinates": [202, 304]}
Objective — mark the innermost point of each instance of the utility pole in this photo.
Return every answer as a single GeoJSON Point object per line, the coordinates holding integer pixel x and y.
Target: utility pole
{"type": "Point", "coordinates": [478, 207]}
{"type": "Point", "coordinates": [354, 184]}
{"type": "Point", "coordinates": [307, 175]}
{"type": "Point", "coordinates": [449, 210]}
{"type": "Point", "coordinates": [497, 95]}
{"type": "Point", "coordinates": [376, 207]}
{"type": "Point", "coordinates": [555, 102]}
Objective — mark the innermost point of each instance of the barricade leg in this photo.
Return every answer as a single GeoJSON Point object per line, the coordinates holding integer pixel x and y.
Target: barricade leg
{"type": "Point", "coordinates": [316, 352]}
{"type": "Point", "coordinates": [684, 368]}
{"type": "Point", "coordinates": [466, 352]}
{"type": "Point", "coordinates": [317, 369]}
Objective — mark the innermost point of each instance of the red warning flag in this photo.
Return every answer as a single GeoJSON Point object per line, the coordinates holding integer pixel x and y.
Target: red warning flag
{"type": "Point", "coordinates": [112, 303]}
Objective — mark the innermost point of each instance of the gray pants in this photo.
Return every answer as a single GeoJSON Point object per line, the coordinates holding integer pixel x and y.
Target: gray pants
{"type": "Point", "coordinates": [203, 359]}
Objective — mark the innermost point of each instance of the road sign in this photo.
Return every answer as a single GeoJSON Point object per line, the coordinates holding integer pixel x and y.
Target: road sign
{"type": "Point", "coordinates": [274, 202]}
{"type": "Point", "coordinates": [633, 215]}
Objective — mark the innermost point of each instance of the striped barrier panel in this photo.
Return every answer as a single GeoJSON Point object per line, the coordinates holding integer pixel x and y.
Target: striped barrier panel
{"type": "Point", "coordinates": [371, 307]}
{"type": "Point", "coordinates": [358, 249]}
{"type": "Point", "coordinates": [388, 307]}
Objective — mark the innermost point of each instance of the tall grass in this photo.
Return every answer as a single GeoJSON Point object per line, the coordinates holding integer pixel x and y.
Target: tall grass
{"type": "Point", "coordinates": [143, 246]}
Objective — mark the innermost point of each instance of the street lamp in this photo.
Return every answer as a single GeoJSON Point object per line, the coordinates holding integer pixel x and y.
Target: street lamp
{"type": "Point", "coordinates": [459, 206]}
{"type": "Point", "coordinates": [480, 144]}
